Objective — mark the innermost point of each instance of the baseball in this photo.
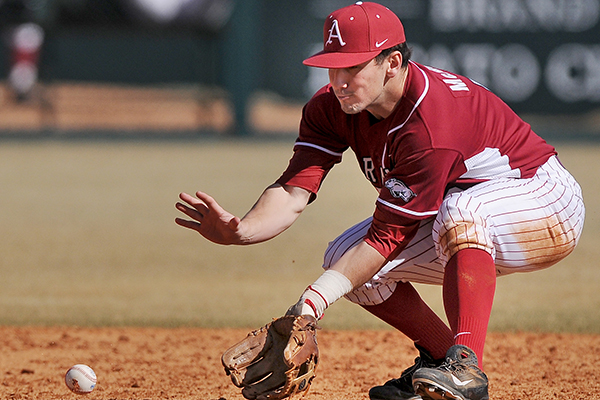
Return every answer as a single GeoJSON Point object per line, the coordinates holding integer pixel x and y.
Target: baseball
{"type": "Point", "coordinates": [81, 379]}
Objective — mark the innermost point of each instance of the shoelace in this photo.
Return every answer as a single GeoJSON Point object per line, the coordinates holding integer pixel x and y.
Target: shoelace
{"type": "Point", "coordinates": [452, 366]}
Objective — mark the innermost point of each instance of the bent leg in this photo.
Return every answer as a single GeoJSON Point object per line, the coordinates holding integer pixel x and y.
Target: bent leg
{"type": "Point", "coordinates": [389, 295]}
{"type": "Point", "coordinates": [525, 224]}
{"type": "Point", "coordinates": [406, 311]}
{"type": "Point", "coordinates": [499, 227]}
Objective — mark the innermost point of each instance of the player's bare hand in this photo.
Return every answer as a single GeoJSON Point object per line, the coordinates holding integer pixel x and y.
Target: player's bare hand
{"type": "Point", "coordinates": [208, 218]}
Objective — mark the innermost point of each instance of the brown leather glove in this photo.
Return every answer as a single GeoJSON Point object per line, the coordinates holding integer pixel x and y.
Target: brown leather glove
{"type": "Point", "coordinates": [276, 361]}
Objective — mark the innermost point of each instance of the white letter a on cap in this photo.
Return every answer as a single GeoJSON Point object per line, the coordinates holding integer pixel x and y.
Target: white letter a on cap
{"type": "Point", "coordinates": [334, 32]}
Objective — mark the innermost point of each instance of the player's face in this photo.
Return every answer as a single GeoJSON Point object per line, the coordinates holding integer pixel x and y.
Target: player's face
{"type": "Point", "coordinates": [360, 87]}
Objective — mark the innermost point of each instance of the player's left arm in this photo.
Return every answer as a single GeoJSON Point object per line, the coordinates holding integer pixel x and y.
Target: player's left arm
{"type": "Point", "coordinates": [400, 206]}
{"type": "Point", "coordinates": [359, 264]}
{"type": "Point", "coordinates": [352, 270]}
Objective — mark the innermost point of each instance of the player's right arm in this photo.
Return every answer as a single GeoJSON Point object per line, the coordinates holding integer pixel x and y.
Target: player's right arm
{"type": "Point", "coordinates": [316, 151]}
{"type": "Point", "coordinates": [275, 211]}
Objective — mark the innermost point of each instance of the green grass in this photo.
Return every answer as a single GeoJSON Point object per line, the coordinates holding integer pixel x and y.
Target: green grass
{"type": "Point", "coordinates": [88, 238]}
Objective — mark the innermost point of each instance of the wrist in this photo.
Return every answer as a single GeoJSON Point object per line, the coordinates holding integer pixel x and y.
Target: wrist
{"type": "Point", "coordinates": [326, 290]}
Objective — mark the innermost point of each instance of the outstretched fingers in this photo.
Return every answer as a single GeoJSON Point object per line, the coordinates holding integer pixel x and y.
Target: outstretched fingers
{"type": "Point", "coordinates": [194, 209]}
{"type": "Point", "coordinates": [197, 204]}
{"type": "Point", "coordinates": [208, 218]}
{"type": "Point", "coordinates": [188, 224]}
{"type": "Point", "coordinates": [208, 202]}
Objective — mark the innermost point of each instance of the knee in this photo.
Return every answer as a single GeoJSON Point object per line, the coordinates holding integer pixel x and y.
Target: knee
{"type": "Point", "coordinates": [347, 240]}
{"type": "Point", "coordinates": [461, 223]}
{"type": "Point", "coordinates": [372, 293]}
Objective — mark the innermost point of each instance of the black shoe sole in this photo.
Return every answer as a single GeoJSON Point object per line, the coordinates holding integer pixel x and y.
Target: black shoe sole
{"type": "Point", "coordinates": [393, 397]}
{"type": "Point", "coordinates": [432, 391]}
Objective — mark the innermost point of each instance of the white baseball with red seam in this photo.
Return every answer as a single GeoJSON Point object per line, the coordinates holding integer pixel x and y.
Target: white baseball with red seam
{"type": "Point", "coordinates": [81, 379]}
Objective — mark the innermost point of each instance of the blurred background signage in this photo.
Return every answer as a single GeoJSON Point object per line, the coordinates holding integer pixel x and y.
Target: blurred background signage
{"type": "Point", "coordinates": [541, 56]}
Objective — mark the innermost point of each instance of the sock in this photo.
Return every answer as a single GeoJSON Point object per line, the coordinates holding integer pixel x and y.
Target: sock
{"type": "Point", "coordinates": [468, 292]}
{"type": "Point", "coordinates": [406, 311]}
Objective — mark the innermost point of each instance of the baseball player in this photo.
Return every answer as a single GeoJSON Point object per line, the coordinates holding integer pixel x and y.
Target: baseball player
{"type": "Point", "coordinates": [467, 193]}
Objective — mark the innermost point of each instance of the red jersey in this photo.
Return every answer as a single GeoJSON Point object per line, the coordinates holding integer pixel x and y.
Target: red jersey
{"type": "Point", "coordinates": [446, 131]}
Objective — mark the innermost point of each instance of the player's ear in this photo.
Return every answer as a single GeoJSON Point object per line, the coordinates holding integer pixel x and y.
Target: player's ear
{"type": "Point", "coordinates": [395, 63]}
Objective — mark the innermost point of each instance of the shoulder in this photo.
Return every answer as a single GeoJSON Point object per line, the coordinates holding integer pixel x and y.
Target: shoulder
{"type": "Point", "coordinates": [447, 84]}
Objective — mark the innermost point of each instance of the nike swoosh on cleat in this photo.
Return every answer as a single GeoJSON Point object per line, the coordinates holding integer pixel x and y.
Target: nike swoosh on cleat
{"type": "Point", "coordinates": [459, 382]}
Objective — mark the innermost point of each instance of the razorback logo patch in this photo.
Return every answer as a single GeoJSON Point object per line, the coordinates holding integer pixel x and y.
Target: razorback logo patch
{"type": "Point", "coordinates": [399, 190]}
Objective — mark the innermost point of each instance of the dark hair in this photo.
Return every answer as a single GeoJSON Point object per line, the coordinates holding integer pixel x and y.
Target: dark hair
{"type": "Point", "coordinates": [404, 50]}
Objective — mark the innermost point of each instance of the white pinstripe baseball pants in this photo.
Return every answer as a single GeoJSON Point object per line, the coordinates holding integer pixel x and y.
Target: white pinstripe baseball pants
{"type": "Point", "coordinates": [525, 224]}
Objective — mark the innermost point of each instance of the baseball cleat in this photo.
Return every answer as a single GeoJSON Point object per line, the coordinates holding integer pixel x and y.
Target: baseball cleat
{"type": "Point", "coordinates": [401, 388]}
{"type": "Point", "coordinates": [458, 378]}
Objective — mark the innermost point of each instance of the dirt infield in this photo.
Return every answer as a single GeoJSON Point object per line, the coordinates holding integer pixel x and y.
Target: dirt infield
{"type": "Point", "coordinates": [184, 363]}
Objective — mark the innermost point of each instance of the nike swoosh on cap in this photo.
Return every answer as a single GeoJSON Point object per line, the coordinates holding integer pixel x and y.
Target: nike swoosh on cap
{"type": "Point", "coordinates": [379, 44]}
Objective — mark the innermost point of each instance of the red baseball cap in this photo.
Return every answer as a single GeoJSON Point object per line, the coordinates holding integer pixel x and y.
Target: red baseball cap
{"type": "Point", "coordinates": [355, 34]}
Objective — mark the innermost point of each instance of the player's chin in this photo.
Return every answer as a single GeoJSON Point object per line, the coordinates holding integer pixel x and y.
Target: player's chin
{"type": "Point", "coordinates": [351, 108]}
{"type": "Point", "coordinates": [348, 104]}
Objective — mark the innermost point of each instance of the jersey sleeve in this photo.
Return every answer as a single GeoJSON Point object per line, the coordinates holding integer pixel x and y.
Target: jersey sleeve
{"type": "Point", "coordinates": [412, 191]}
{"type": "Point", "coordinates": [318, 147]}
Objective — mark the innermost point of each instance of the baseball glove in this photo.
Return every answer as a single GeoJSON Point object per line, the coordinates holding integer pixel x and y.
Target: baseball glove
{"type": "Point", "coordinates": [276, 361]}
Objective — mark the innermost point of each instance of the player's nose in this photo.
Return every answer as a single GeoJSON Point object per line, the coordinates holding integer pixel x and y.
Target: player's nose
{"type": "Point", "coordinates": [337, 79]}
